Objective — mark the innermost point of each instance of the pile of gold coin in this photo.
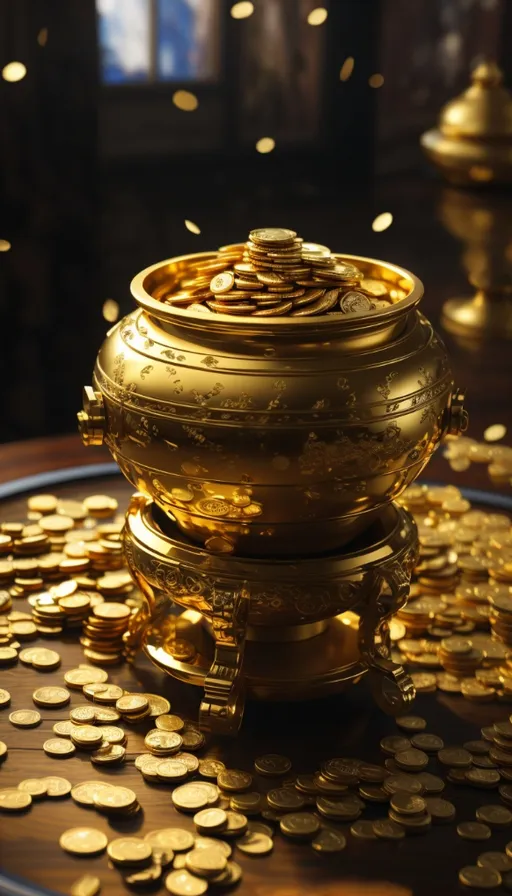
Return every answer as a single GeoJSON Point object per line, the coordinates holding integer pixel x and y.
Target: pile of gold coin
{"type": "Point", "coordinates": [456, 629]}
{"type": "Point", "coordinates": [463, 451]}
{"type": "Point", "coordinates": [277, 274]}
{"type": "Point", "coordinates": [67, 561]}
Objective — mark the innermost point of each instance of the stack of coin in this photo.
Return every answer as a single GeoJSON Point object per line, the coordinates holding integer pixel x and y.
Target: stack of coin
{"type": "Point", "coordinates": [501, 616]}
{"type": "Point", "coordinates": [410, 811]}
{"type": "Point", "coordinates": [115, 801]}
{"type": "Point", "coordinates": [103, 632]}
{"type": "Point", "coordinates": [459, 657]}
{"type": "Point", "coordinates": [276, 274]}
{"type": "Point", "coordinates": [133, 708]}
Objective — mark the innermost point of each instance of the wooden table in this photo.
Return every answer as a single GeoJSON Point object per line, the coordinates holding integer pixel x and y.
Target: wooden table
{"type": "Point", "coordinates": [346, 725]}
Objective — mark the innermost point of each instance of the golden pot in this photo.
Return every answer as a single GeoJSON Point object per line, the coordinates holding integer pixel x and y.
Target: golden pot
{"type": "Point", "coordinates": [271, 436]}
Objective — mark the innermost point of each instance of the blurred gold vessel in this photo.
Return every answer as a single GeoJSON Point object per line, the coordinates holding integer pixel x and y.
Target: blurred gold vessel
{"type": "Point", "coordinates": [266, 453]}
{"type": "Point", "coordinates": [472, 144]}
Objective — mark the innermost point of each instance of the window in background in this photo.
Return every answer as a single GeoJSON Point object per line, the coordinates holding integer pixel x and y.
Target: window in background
{"type": "Point", "coordinates": [143, 41]}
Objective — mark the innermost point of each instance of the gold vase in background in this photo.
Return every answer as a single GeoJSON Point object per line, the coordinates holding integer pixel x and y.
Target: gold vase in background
{"type": "Point", "coordinates": [267, 453]}
{"type": "Point", "coordinates": [482, 221]}
{"type": "Point", "coordinates": [472, 144]}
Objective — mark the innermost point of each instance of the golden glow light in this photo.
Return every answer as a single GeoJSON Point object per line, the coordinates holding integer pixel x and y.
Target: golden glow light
{"type": "Point", "coordinates": [481, 173]}
{"type": "Point", "coordinates": [376, 80]}
{"type": "Point", "coordinates": [111, 310]}
{"type": "Point", "coordinates": [185, 100]}
{"type": "Point", "coordinates": [495, 432]}
{"type": "Point", "coordinates": [265, 144]}
{"type": "Point", "coordinates": [14, 71]}
{"type": "Point", "coordinates": [382, 222]}
{"type": "Point", "coordinates": [242, 10]}
{"type": "Point", "coordinates": [4, 245]}
{"type": "Point", "coordinates": [42, 37]}
{"type": "Point", "coordinates": [192, 227]}
{"type": "Point", "coordinates": [317, 16]}
{"type": "Point", "coordinates": [347, 68]}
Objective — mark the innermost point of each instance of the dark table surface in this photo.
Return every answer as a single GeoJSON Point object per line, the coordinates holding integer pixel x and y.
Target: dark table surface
{"type": "Point", "coordinates": [346, 725]}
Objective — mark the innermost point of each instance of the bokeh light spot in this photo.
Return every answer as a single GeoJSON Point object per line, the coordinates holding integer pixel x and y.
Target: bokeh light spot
{"type": "Point", "coordinates": [185, 100]}
{"type": "Point", "coordinates": [317, 16]}
{"type": "Point", "coordinates": [192, 227]}
{"type": "Point", "coordinates": [4, 245]}
{"type": "Point", "coordinates": [110, 310]}
{"type": "Point", "coordinates": [265, 144]}
{"type": "Point", "coordinates": [382, 222]}
{"type": "Point", "coordinates": [14, 71]}
{"type": "Point", "coordinates": [347, 68]}
{"type": "Point", "coordinates": [376, 80]}
{"type": "Point", "coordinates": [242, 10]}
{"type": "Point", "coordinates": [42, 37]}
{"type": "Point", "coordinates": [495, 432]}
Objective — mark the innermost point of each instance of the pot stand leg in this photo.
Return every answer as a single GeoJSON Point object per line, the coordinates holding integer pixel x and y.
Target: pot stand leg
{"type": "Point", "coordinates": [391, 686]}
{"type": "Point", "coordinates": [223, 703]}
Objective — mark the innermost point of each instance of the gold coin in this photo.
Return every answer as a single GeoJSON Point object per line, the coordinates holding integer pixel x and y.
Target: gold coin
{"type": "Point", "coordinates": [299, 825]}
{"type": "Point", "coordinates": [56, 787]}
{"type": "Point", "coordinates": [5, 698]}
{"type": "Point", "coordinates": [37, 787]}
{"type": "Point", "coordinates": [363, 830]}
{"type": "Point", "coordinates": [411, 723]}
{"type": "Point", "coordinates": [497, 860]}
{"type": "Point", "coordinates": [8, 655]}
{"type": "Point", "coordinates": [234, 780]}
{"type": "Point", "coordinates": [394, 744]}
{"type": "Point", "coordinates": [81, 714]}
{"type": "Point", "coordinates": [51, 696]}
{"type": "Point", "coordinates": [111, 611]}
{"type": "Point", "coordinates": [42, 503]}
{"type": "Point", "coordinates": [58, 747]}
{"type": "Point", "coordinates": [455, 757]}
{"type": "Point", "coordinates": [272, 764]}
{"type": "Point", "coordinates": [162, 742]}
{"type": "Point", "coordinates": [114, 798]}
{"type": "Point", "coordinates": [387, 829]}
{"type": "Point", "coordinates": [222, 282]}
{"type": "Point", "coordinates": [25, 718]}
{"type": "Point", "coordinates": [342, 809]}
{"type": "Point", "coordinates": [273, 235]}
{"type": "Point", "coordinates": [14, 800]}
{"type": "Point", "coordinates": [285, 799]}
{"type": "Point", "coordinates": [441, 810]}
{"type": "Point", "coordinates": [56, 523]}
{"type": "Point", "coordinates": [249, 802]}
{"type": "Point", "coordinates": [87, 885]}
{"type": "Point", "coordinates": [100, 505]}
{"type": "Point", "coordinates": [494, 815]}
{"type": "Point", "coordinates": [3, 751]}
{"type": "Point", "coordinates": [158, 705]}
{"type": "Point", "coordinates": [189, 798]}
{"type": "Point", "coordinates": [129, 850]}
{"type": "Point", "coordinates": [206, 861]}
{"type": "Point", "coordinates": [479, 878]}
{"type": "Point", "coordinates": [83, 841]}
{"type": "Point", "coordinates": [170, 840]}
{"type": "Point", "coordinates": [329, 841]}
{"type": "Point", "coordinates": [84, 793]}
{"type": "Point", "coordinates": [209, 820]}
{"type": "Point", "coordinates": [473, 830]}
{"type": "Point", "coordinates": [86, 736]}
{"type": "Point", "coordinates": [211, 768]}
{"type": "Point", "coordinates": [108, 754]}
{"type": "Point", "coordinates": [181, 883]}
{"type": "Point", "coordinates": [169, 722]}
{"type": "Point", "coordinates": [171, 770]}
{"type": "Point", "coordinates": [407, 803]}
{"type": "Point", "coordinates": [254, 843]}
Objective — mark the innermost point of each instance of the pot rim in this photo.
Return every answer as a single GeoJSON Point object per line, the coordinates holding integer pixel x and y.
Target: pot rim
{"type": "Point", "coordinates": [141, 284]}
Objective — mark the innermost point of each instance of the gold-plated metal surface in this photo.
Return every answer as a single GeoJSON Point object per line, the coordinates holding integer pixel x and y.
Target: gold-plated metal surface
{"type": "Point", "coordinates": [472, 144]}
{"type": "Point", "coordinates": [482, 221]}
{"type": "Point", "coordinates": [367, 583]}
{"type": "Point", "coordinates": [279, 435]}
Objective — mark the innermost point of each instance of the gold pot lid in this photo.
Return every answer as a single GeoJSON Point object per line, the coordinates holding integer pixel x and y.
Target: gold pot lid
{"type": "Point", "coordinates": [483, 111]}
